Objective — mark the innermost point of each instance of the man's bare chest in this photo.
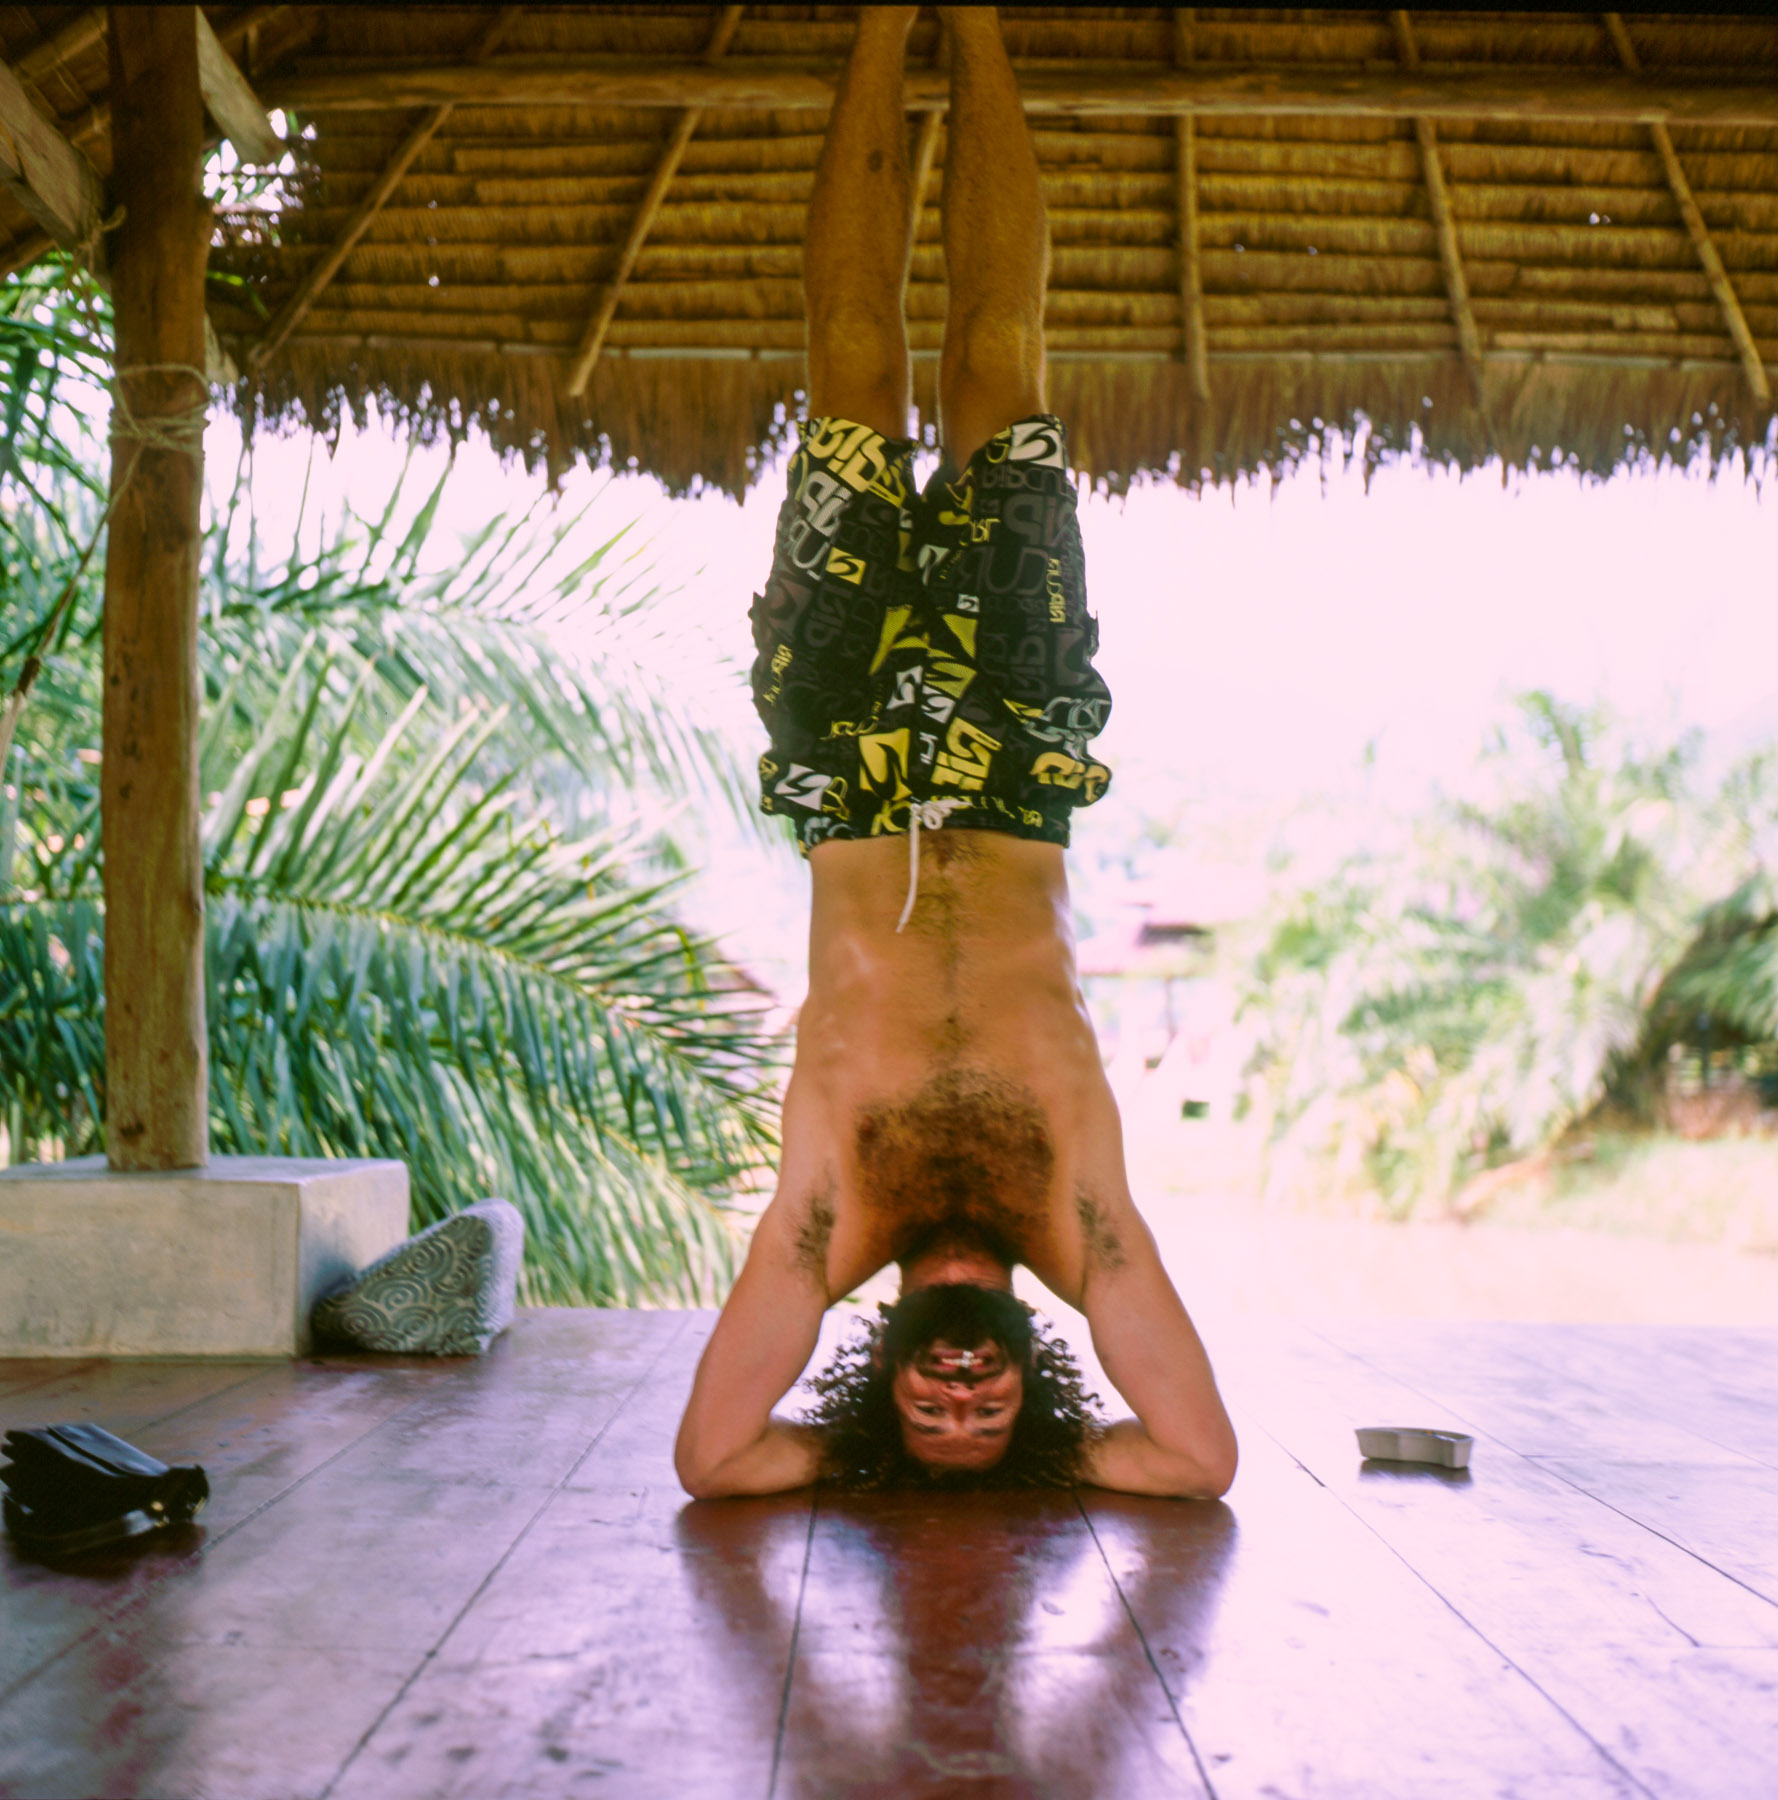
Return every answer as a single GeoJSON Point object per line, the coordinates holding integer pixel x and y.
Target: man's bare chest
{"type": "Point", "coordinates": [966, 1154]}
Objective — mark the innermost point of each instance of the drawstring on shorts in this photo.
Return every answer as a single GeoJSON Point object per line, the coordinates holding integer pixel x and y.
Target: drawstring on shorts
{"type": "Point", "coordinates": [932, 814]}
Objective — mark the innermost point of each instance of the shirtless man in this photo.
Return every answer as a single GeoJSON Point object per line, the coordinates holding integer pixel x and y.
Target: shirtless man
{"type": "Point", "coordinates": [925, 674]}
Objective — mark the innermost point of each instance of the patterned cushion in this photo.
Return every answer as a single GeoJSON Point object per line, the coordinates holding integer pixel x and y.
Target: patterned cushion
{"type": "Point", "coordinates": [448, 1291]}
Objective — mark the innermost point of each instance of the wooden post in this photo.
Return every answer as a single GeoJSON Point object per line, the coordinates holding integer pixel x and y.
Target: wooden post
{"type": "Point", "coordinates": [156, 1066]}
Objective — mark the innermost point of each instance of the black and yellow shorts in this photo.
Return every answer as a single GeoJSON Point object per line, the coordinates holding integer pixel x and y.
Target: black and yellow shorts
{"type": "Point", "coordinates": [928, 649]}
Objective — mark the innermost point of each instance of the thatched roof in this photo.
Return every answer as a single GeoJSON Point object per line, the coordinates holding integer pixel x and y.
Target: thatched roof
{"type": "Point", "coordinates": [1547, 235]}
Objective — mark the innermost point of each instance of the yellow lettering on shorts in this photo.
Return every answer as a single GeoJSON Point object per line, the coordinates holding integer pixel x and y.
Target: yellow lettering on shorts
{"type": "Point", "coordinates": [844, 566]}
{"type": "Point", "coordinates": [981, 530]}
{"type": "Point", "coordinates": [966, 758]}
{"type": "Point", "coordinates": [884, 757]}
{"type": "Point", "coordinates": [837, 438]}
{"type": "Point", "coordinates": [1054, 769]}
{"type": "Point", "coordinates": [1058, 601]}
{"type": "Point", "coordinates": [890, 486]}
{"type": "Point", "coordinates": [963, 630]}
{"type": "Point", "coordinates": [867, 463]}
{"type": "Point", "coordinates": [893, 619]}
{"type": "Point", "coordinates": [949, 675]}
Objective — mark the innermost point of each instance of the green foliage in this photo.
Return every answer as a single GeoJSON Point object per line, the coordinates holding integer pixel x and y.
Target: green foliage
{"type": "Point", "coordinates": [435, 930]}
{"type": "Point", "coordinates": [1520, 959]}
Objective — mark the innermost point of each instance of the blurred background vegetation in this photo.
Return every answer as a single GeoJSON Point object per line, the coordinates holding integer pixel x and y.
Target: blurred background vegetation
{"type": "Point", "coordinates": [1586, 942]}
{"type": "Point", "coordinates": [440, 853]}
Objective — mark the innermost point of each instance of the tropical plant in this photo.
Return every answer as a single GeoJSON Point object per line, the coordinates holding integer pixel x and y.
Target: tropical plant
{"type": "Point", "coordinates": [435, 930]}
{"type": "Point", "coordinates": [1520, 959]}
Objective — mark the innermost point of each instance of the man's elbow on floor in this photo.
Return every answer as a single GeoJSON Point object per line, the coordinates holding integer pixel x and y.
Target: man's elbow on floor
{"type": "Point", "coordinates": [1217, 1472]}
{"type": "Point", "coordinates": [699, 1482]}
{"type": "Point", "coordinates": [699, 1475]}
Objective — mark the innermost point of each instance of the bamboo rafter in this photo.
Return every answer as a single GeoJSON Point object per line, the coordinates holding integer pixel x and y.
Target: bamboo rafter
{"type": "Point", "coordinates": [1469, 339]}
{"type": "Point", "coordinates": [1127, 90]}
{"type": "Point", "coordinates": [309, 289]}
{"type": "Point", "coordinates": [1708, 256]}
{"type": "Point", "coordinates": [1193, 347]}
{"type": "Point", "coordinates": [581, 370]}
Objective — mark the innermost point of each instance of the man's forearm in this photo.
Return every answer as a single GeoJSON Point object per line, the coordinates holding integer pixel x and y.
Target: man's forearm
{"type": "Point", "coordinates": [785, 1455]}
{"type": "Point", "coordinates": [1124, 1457]}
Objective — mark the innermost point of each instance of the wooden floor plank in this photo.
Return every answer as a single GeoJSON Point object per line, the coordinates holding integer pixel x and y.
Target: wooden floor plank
{"type": "Point", "coordinates": [135, 1720]}
{"type": "Point", "coordinates": [636, 1448]}
{"type": "Point", "coordinates": [256, 1439]}
{"type": "Point", "coordinates": [971, 1643]}
{"type": "Point", "coordinates": [528, 1411]}
{"type": "Point", "coordinates": [1662, 1660]}
{"type": "Point", "coordinates": [637, 1656]}
{"type": "Point", "coordinates": [123, 1396]}
{"type": "Point", "coordinates": [1586, 1390]}
{"type": "Point", "coordinates": [1305, 1658]}
{"type": "Point", "coordinates": [1718, 1386]}
{"type": "Point", "coordinates": [360, 1504]}
{"type": "Point", "coordinates": [1726, 1517]}
{"type": "Point", "coordinates": [19, 1374]}
{"type": "Point", "coordinates": [632, 1643]}
{"type": "Point", "coordinates": [479, 1577]}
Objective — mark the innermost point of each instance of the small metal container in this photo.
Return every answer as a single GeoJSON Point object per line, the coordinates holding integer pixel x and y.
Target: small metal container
{"type": "Point", "coordinates": [1397, 1443]}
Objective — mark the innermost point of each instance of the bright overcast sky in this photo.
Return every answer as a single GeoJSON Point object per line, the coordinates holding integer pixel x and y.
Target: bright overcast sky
{"type": "Point", "coordinates": [1255, 644]}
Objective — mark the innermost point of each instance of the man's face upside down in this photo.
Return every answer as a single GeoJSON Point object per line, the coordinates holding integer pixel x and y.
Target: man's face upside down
{"type": "Point", "coordinates": [958, 1354]}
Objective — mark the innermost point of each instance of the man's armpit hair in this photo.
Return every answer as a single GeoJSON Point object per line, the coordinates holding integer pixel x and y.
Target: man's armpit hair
{"type": "Point", "coordinates": [814, 1231]}
{"type": "Point", "coordinates": [1105, 1249]}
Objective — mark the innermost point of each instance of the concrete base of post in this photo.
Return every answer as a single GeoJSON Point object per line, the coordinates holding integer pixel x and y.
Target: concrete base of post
{"type": "Point", "coordinates": [220, 1261]}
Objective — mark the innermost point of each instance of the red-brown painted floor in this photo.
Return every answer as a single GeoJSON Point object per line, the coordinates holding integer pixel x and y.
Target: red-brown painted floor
{"type": "Point", "coordinates": [479, 1579]}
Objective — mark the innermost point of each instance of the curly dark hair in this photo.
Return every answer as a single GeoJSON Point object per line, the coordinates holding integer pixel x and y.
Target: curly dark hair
{"type": "Point", "coordinates": [855, 1407]}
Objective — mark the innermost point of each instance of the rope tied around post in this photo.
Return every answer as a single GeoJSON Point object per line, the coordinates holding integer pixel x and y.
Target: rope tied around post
{"type": "Point", "coordinates": [180, 431]}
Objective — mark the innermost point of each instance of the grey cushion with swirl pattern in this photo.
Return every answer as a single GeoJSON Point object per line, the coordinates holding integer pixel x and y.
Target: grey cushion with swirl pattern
{"type": "Point", "coordinates": [450, 1290]}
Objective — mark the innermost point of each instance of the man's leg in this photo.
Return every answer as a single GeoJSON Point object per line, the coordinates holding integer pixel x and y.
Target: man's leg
{"type": "Point", "coordinates": [997, 245]}
{"type": "Point", "coordinates": [855, 254]}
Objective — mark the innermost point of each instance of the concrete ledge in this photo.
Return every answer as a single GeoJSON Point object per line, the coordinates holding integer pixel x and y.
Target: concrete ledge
{"type": "Point", "coordinates": [221, 1261]}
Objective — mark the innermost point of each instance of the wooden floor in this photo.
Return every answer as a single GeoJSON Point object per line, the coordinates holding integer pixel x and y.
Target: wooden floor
{"type": "Point", "coordinates": [480, 1579]}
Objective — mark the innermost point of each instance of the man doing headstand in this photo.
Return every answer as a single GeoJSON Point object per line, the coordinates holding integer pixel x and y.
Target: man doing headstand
{"type": "Point", "coordinates": [925, 674]}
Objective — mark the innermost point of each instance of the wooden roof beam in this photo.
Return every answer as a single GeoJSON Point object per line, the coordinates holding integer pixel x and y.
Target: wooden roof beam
{"type": "Point", "coordinates": [231, 102]}
{"type": "Point", "coordinates": [48, 177]}
{"type": "Point", "coordinates": [762, 85]}
{"type": "Point", "coordinates": [1752, 364]}
{"type": "Point", "coordinates": [1194, 348]}
{"type": "Point", "coordinates": [309, 289]}
{"type": "Point", "coordinates": [580, 371]}
{"type": "Point", "coordinates": [79, 34]}
{"type": "Point", "coordinates": [1469, 339]}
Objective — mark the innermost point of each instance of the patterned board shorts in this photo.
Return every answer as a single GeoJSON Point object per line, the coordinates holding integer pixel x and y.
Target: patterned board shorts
{"type": "Point", "coordinates": [928, 650]}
